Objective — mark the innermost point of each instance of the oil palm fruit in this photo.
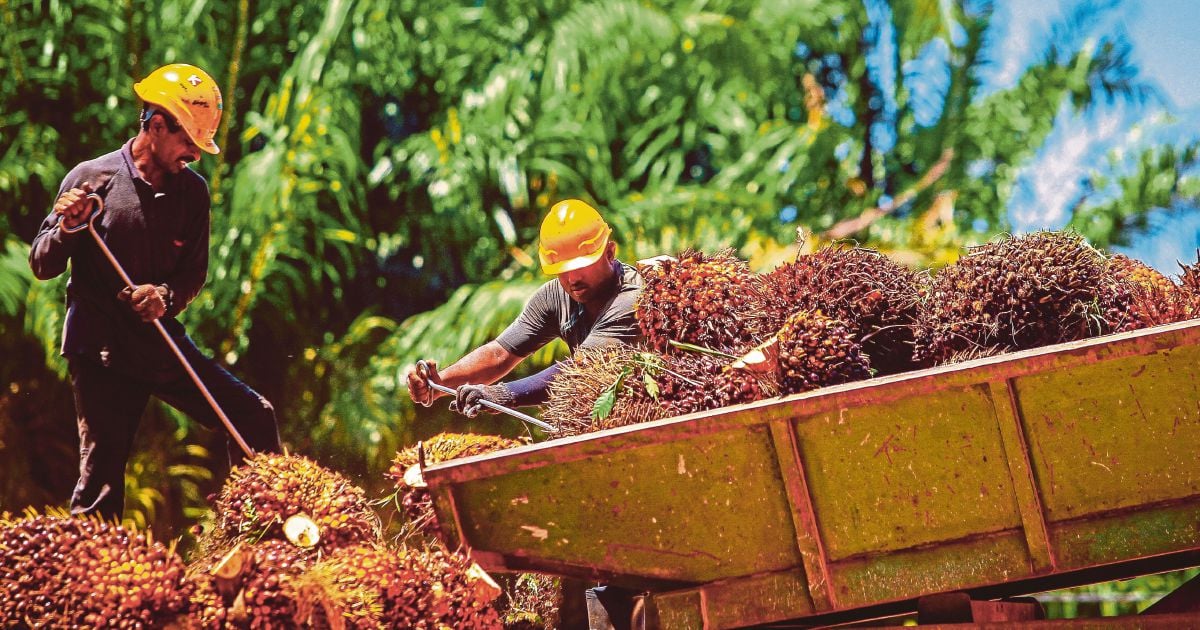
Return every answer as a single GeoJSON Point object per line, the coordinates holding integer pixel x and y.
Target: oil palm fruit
{"type": "Point", "coordinates": [876, 297]}
{"type": "Point", "coordinates": [62, 571]}
{"type": "Point", "coordinates": [259, 496]}
{"type": "Point", "coordinates": [1016, 293]}
{"type": "Point", "coordinates": [1189, 288]}
{"type": "Point", "coordinates": [712, 301]}
{"type": "Point", "coordinates": [1141, 296]}
{"type": "Point", "coordinates": [372, 586]}
{"type": "Point", "coordinates": [269, 597]}
{"type": "Point", "coordinates": [817, 351]}
{"type": "Point", "coordinates": [416, 505]}
{"type": "Point", "coordinates": [718, 383]}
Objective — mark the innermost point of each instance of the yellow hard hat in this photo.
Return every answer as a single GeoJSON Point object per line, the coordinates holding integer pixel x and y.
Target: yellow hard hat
{"type": "Point", "coordinates": [573, 236]}
{"type": "Point", "coordinates": [190, 95]}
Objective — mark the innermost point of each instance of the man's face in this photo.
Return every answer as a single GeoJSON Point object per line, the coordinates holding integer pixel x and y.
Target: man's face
{"type": "Point", "coordinates": [172, 148]}
{"type": "Point", "coordinates": [587, 284]}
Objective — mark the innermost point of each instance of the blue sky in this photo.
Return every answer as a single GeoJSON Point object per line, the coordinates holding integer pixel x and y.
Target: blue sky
{"type": "Point", "coordinates": [1166, 47]}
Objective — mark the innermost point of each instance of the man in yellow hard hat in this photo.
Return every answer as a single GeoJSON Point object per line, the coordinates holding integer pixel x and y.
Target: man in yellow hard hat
{"type": "Point", "coordinates": [589, 304]}
{"type": "Point", "coordinates": [156, 224]}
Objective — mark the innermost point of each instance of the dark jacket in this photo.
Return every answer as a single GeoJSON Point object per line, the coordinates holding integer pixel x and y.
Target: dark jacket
{"type": "Point", "coordinates": [159, 237]}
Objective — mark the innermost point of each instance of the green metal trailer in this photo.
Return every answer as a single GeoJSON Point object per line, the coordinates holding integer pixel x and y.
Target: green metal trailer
{"type": "Point", "coordinates": [1041, 469]}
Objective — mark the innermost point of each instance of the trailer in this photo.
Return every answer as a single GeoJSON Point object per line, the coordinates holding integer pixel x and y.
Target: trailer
{"type": "Point", "coordinates": [1014, 474]}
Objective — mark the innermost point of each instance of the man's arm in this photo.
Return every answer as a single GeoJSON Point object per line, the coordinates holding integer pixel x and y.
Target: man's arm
{"type": "Point", "coordinates": [52, 247]}
{"type": "Point", "coordinates": [486, 364]}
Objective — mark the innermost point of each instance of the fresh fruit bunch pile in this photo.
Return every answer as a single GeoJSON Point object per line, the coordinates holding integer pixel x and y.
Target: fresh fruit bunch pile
{"type": "Point", "coordinates": [249, 585]}
{"type": "Point", "coordinates": [1035, 290]}
{"type": "Point", "coordinates": [615, 386]}
{"type": "Point", "coordinates": [817, 351]}
{"type": "Point", "coordinates": [606, 387]}
{"type": "Point", "coordinates": [712, 301]}
{"type": "Point", "coordinates": [1142, 296]}
{"type": "Point", "coordinates": [416, 505]}
{"type": "Point", "coordinates": [876, 297]}
{"type": "Point", "coordinates": [75, 572]}
{"type": "Point", "coordinates": [716, 382]}
{"type": "Point", "coordinates": [259, 496]}
{"type": "Point", "coordinates": [374, 586]}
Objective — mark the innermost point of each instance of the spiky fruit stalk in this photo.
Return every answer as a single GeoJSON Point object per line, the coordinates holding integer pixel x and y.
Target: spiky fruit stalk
{"type": "Point", "coordinates": [708, 300]}
{"type": "Point", "coordinates": [620, 371]}
{"type": "Point", "coordinates": [876, 297]}
{"type": "Point", "coordinates": [259, 496]}
{"type": "Point", "coordinates": [817, 351]}
{"type": "Point", "coordinates": [63, 571]}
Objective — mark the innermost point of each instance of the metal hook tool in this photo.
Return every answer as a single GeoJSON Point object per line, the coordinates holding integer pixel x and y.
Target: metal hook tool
{"type": "Point", "coordinates": [423, 370]}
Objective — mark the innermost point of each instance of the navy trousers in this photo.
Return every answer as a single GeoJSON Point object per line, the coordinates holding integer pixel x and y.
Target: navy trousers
{"type": "Point", "coordinates": [109, 404]}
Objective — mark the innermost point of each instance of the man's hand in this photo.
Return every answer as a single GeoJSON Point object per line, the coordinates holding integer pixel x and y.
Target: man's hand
{"type": "Point", "coordinates": [419, 377]}
{"type": "Point", "coordinates": [468, 399]}
{"type": "Point", "coordinates": [73, 206]}
{"type": "Point", "coordinates": [147, 300]}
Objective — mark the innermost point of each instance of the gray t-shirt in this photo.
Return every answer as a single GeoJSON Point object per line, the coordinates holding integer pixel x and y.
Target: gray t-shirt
{"type": "Point", "coordinates": [552, 313]}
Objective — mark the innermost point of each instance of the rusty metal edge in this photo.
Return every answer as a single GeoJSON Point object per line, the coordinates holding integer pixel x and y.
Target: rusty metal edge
{"type": "Point", "coordinates": [804, 518]}
{"type": "Point", "coordinates": [873, 391]}
{"type": "Point", "coordinates": [1035, 584]}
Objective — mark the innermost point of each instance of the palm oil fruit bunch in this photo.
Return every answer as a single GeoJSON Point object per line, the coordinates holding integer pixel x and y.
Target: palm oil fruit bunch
{"type": "Point", "coordinates": [702, 382]}
{"type": "Point", "coordinates": [416, 505]}
{"type": "Point", "coordinates": [76, 572]}
{"type": "Point", "coordinates": [817, 351]}
{"type": "Point", "coordinates": [442, 589]}
{"type": "Point", "coordinates": [1141, 296]}
{"type": "Point", "coordinates": [248, 585]}
{"type": "Point", "coordinates": [268, 597]}
{"type": "Point", "coordinates": [1189, 288]}
{"type": "Point", "coordinates": [874, 295]}
{"type": "Point", "coordinates": [351, 588]}
{"type": "Point", "coordinates": [604, 387]}
{"type": "Point", "coordinates": [1014, 294]}
{"type": "Point", "coordinates": [374, 586]}
{"type": "Point", "coordinates": [712, 301]}
{"type": "Point", "coordinates": [262, 494]}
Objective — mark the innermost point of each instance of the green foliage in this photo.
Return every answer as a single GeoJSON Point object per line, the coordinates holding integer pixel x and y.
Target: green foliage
{"type": "Point", "coordinates": [1110, 599]}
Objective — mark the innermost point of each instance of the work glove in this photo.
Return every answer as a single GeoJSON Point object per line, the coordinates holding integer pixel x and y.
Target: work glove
{"type": "Point", "coordinates": [419, 377]}
{"type": "Point", "coordinates": [468, 399]}
{"type": "Point", "coordinates": [73, 206]}
{"type": "Point", "coordinates": [147, 300]}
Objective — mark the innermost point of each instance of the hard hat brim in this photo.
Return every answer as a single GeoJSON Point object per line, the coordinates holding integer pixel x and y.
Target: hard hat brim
{"type": "Point", "coordinates": [561, 267]}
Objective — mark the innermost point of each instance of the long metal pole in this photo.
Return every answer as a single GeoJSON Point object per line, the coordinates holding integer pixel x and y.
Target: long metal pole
{"type": "Point", "coordinates": [212, 402]}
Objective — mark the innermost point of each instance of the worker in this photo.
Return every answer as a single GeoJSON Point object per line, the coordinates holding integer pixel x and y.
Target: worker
{"type": "Point", "coordinates": [588, 305]}
{"type": "Point", "coordinates": [155, 221]}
